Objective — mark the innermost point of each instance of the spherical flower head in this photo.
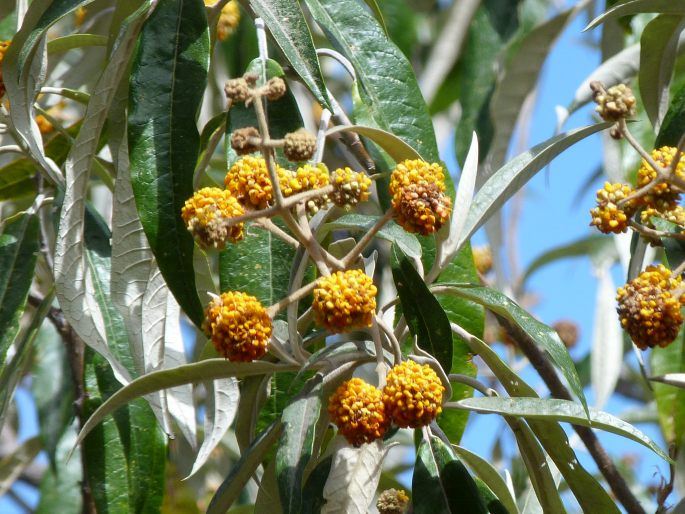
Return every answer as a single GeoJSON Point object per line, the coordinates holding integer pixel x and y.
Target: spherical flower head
{"type": "Point", "coordinates": [412, 394]}
{"type": "Point", "coordinates": [274, 88]}
{"type": "Point", "coordinates": [44, 125]}
{"type": "Point", "coordinates": [482, 258]}
{"type": "Point", "coordinates": [616, 103]}
{"type": "Point", "coordinates": [608, 217]}
{"type": "Point", "coordinates": [351, 187]}
{"type": "Point", "coordinates": [662, 157]}
{"type": "Point", "coordinates": [568, 332]}
{"type": "Point", "coordinates": [242, 140]}
{"type": "Point", "coordinates": [649, 307]}
{"type": "Point", "coordinates": [663, 209]}
{"type": "Point", "coordinates": [299, 145]}
{"type": "Point", "coordinates": [422, 208]}
{"type": "Point", "coordinates": [239, 326]}
{"type": "Point", "coordinates": [416, 171]}
{"type": "Point", "coordinates": [228, 19]}
{"type": "Point", "coordinates": [238, 90]}
{"type": "Point", "coordinates": [248, 180]}
{"type": "Point", "coordinates": [392, 501]}
{"type": "Point", "coordinates": [357, 410]}
{"type": "Point", "coordinates": [344, 301]}
{"type": "Point", "coordinates": [206, 213]}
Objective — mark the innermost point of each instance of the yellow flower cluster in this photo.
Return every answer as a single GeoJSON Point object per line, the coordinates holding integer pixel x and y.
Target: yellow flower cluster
{"type": "Point", "coordinates": [418, 196]}
{"type": "Point", "coordinates": [4, 45]}
{"type": "Point", "coordinates": [663, 157]}
{"type": "Point", "coordinates": [345, 300]}
{"type": "Point", "coordinates": [248, 180]}
{"type": "Point", "coordinates": [666, 210]}
{"type": "Point", "coordinates": [239, 326]}
{"type": "Point", "coordinates": [649, 307]}
{"type": "Point", "coordinates": [412, 397]}
{"type": "Point", "coordinates": [351, 187]}
{"type": "Point", "coordinates": [482, 258]}
{"type": "Point", "coordinates": [608, 217]}
{"type": "Point", "coordinates": [205, 214]}
{"type": "Point", "coordinates": [228, 19]}
{"type": "Point", "coordinates": [306, 178]}
{"type": "Point", "coordinates": [392, 501]}
{"type": "Point", "coordinates": [412, 394]}
{"type": "Point", "coordinates": [357, 409]}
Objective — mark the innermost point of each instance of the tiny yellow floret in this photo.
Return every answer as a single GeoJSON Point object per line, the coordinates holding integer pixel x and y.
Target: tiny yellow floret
{"type": "Point", "coordinates": [357, 410]}
{"type": "Point", "coordinates": [238, 325]}
{"type": "Point", "coordinates": [351, 187]}
{"type": "Point", "coordinates": [344, 301]}
{"type": "Point", "coordinates": [412, 394]}
{"type": "Point", "coordinates": [608, 217]}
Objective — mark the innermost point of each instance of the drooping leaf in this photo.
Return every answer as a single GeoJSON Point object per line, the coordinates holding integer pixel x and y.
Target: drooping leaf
{"type": "Point", "coordinates": [513, 176]}
{"type": "Point", "coordinates": [441, 483]}
{"type": "Point", "coordinates": [19, 245]}
{"type": "Point", "coordinates": [425, 316]}
{"type": "Point", "coordinates": [286, 22]}
{"type": "Point", "coordinates": [560, 410]}
{"type": "Point", "coordinates": [406, 242]}
{"type": "Point", "coordinates": [543, 335]}
{"type": "Point", "coordinates": [487, 472]}
{"type": "Point", "coordinates": [384, 73]}
{"type": "Point", "coordinates": [353, 478]}
{"type": "Point", "coordinates": [172, 60]}
{"type": "Point", "coordinates": [297, 445]}
{"type": "Point", "coordinates": [658, 45]}
{"type": "Point", "coordinates": [394, 146]}
{"type": "Point", "coordinates": [639, 6]}
{"type": "Point", "coordinates": [243, 470]}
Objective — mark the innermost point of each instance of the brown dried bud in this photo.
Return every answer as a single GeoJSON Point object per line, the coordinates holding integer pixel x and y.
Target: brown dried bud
{"type": "Point", "coordinates": [237, 90]}
{"type": "Point", "coordinates": [275, 88]}
{"type": "Point", "coordinates": [299, 145]}
{"type": "Point", "coordinates": [568, 332]}
{"type": "Point", "coordinates": [240, 140]}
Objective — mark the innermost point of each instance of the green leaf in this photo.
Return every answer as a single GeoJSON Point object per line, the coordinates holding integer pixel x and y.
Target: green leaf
{"type": "Point", "coordinates": [66, 43]}
{"type": "Point", "coordinates": [487, 472]}
{"type": "Point", "coordinates": [406, 242]}
{"type": "Point", "coordinates": [560, 410]}
{"type": "Point", "coordinates": [210, 369]}
{"type": "Point", "coordinates": [425, 316]}
{"type": "Point", "coordinates": [297, 444]}
{"type": "Point", "coordinates": [172, 60]}
{"type": "Point", "coordinates": [543, 335]}
{"type": "Point", "coordinates": [441, 483]}
{"type": "Point", "coordinates": [60, 485]}
{"type": "Point", "coordinates": [670, 400]}
{"type": "Point", "coordinates": [590, 495]}
{"type": "Point", "coordinates": [511, 177]}
{"type": "Point", "coordinates": [639, 6]}
{"type": "Point", "coordinates": [394, 146]}
{"type": "Point", "coordinates": [596, 246]}
{"type": "Point", "coordinates": [388, 82]}
{"type": "Point", "coordinates": [313, 488]}
{"type": "Point", "coordinates": [19, 245]}
{"type": "Point", "coordinates": [243, 470]}
{"type": "Point", "coordinates": [673, 125]}
{"type": "Point", "coordinates": [289, 28]}
{"type": "Point", "coordinates": [16, 179]}
{"type": "Point", "coordinates": [675, 248]}
{"type": "Point", "coordinates": [13, 464]}
{"type": "Point", "coordinates": [658, 45]}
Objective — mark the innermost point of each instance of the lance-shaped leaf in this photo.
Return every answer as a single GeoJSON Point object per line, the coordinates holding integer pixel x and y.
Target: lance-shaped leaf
{"type": "Point", "coordinates": [243, 470]}
{"type": "Point", "coordinates": [543, 335]}
{"type": "Point", "coordinates": [286, 22]}
{"type": "Point", "coordinates": [441, 483]}
{"type": "Point", "coordinates": [297, 444]}
{"type": "Point", "coordinates": [425, 316]}
{"type": "Point", "coordinates": [394, 146]}
{"type": "Point", "coordinates": [353, 478]}
{"type": "Point", "coordinates": [385, 74]}
{"type": "Point", "coordinates": [511, 177]}
{"type": "Point", "coordinates": [167, 82]}
{"type": "Point", "coordinates": [560, 410]}
{"type": "Point", "coordinates": [674, 122]}
{"type": "Point", "coordinates": [658, 46]}
{"type": "Point", "coordinates": [19, 245]}
{"type": "Point", "coordinates": [13, 464]}
{"type": "Point", "coordinates": [210, 369]}
{"type": "Point", "coordinates": [60, 484]}
{"type": "Point", "coordinates": [75, 285]}
{"type": "Point", "coordinates": [639, 6]}
{"type": "Point", "coordinates": [590, 495]}
{"type": "Point", "coordinates": [407, 243]}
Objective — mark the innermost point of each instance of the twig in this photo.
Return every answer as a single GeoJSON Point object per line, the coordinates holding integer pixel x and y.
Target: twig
{"type": "Point", "coordinates": [471, 382]}
{"type": "Point", "coordinates": [269, 225]}
{"type": "Point", "coordinates": [292, 297]}
{"type": "Point", "coordinates": [366, 239]}
{"type": "Point", "coordinates": [394, 343]}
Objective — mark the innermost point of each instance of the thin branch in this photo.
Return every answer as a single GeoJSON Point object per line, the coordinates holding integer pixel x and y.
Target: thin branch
{"type": "Point", "coordinates": [366, 239]}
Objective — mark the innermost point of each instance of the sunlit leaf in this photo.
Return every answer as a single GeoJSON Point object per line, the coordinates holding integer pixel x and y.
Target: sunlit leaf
{"type": "Point", "coordinates": [639, 6]}
{"type": "Point", "coordinates": [394, 146]}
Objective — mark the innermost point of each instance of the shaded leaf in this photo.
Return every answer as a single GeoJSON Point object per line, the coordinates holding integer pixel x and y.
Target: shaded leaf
{"type": "Point", "coordinates": [406, 242]}
{"type": "Point", "coordinates": [13, 464]}
{"type": "Point", "coordinates": [673, 125]}
{"type": "Point", "coordinates": [289, 28]}
{"type": "Point", "coordinates": [394, 146]}
{"type": "Point", "coordinates": [313, 488]}
{"type": "Point", "coordinates": [441, 483]}
{"type": "Point", "coordinates": [425, 316]}
{"type": "Point", "coordinates": [560, 410]}
{"type": "Point", "coordinates": [60, 486]}
{"type": "Point", "coordinates": [172, 60]}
